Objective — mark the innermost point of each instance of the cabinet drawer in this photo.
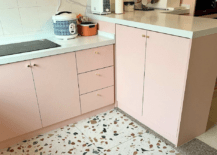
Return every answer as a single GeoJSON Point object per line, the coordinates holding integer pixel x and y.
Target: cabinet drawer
{"type": "Point", "coordinates": [95, 80]}
{"type": "Point", "coordinates": [95, 58]}
{"type": "Point", "coordinates": [97, 99]}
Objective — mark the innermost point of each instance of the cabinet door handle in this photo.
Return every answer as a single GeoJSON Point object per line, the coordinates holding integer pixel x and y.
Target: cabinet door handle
{"type": "Point", "coordinates": [143, 35]}
{"type": "Point", "coordinates": [98, 94]}
{"type": "Point", "coordinates": [29, 66]}
{"type": "Point", "coordinates": [96, 52]}
{"type": "Point", "coordinates": [97, 74]}
{"type": "Point", "coordinates": [147, 37]}
{"type": "Point", "coordinates": [35, 65]}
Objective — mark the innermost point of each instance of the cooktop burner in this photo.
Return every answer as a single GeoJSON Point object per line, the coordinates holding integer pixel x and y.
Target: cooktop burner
{"type": "Point", "coordinates": [24, 47]}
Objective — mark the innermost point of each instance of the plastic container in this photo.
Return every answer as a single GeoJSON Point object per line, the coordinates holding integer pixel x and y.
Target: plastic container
{"type": "Point", "coordinates": [87, 29]}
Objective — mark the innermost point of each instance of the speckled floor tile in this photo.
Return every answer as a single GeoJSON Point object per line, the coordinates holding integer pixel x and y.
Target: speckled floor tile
{"type": "Point", "coordinates": [109, 129]}
{"type": "Point", "coordinates": [67, 140]}
{"type": "Point", "coordinates": [109, 133]}
{"type": "Point", "coordinates": [145, 144]}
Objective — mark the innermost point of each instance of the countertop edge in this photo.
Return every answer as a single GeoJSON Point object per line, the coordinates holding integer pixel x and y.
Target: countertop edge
{"type": "Point", "coordinates": [161, 29]}
{"type": "Point", "coordinates": [51, 52]}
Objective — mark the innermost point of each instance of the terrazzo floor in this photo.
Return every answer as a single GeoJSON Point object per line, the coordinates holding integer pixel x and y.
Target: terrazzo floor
{"type": "Point", "coordinates": [109, 133]}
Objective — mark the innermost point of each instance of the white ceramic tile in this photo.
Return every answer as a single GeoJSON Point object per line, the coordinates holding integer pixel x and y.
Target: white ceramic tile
{"type": "Point", "coordinates": [109, 129]}
{"type": "Point", "coordinates": [27, 3]}
{"type": "Point", "coordinates": [30, 19]}
{"type": "Point", "coordinates": [10, 20]}
{"type": "Point", "coordinates": [1, 30]}
{"type": "Point", "coordinates": [66, 6]}
{"type": "Point", "coordinates": [8, 4]}
{"type": "Point", "coordinates": [78, 9]}
{"type": "Point", "coordinates": [45, 14]}
{"type": "Point", "coordinates": [47, 2]}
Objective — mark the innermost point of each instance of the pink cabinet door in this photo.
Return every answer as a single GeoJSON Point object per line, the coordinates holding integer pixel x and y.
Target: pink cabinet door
{"type": "Point", "coordinates": [19, 113]}
{"type": "Point", "coordinates": [95, 58]}
{"type": "Point", "coordinates": [130, 63]}
{"type": "Point", "coordinates": [57, 88]}
{"type": "Point", "coordinates": [167, 60]}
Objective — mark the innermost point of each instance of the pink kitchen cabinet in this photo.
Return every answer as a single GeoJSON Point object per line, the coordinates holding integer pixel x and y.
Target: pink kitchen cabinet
{"type": "Point", "coordinates": [56, 85]}
{"type": "Point", "coordinates": [19, 112]}
{"type": "Point", "coordinates": [167, 60]}
{"type": "Point", "coordinates": [130, 68]}
{"type": "Point", "coordinates": [166, 82]}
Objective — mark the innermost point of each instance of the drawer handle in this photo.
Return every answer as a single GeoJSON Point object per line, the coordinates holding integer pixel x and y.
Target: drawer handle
{"type": "Point", "coordinates": [96, 52]}
{"type": "Point", "coordinates": [98, 94]}
{"type": "Point", "coordinates": [97, 74]}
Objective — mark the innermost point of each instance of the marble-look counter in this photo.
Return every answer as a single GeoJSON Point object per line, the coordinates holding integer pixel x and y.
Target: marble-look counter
{"type": "Point", "coordinates": [163, 21]}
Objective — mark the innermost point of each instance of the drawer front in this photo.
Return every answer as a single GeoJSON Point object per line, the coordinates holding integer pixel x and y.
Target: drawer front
{"type": "Point", "coordinates": [95, 80]}
{"type": "Point", "coordinates": [97, 99]}
{"type": "Point", "coordinates": [95, 58]}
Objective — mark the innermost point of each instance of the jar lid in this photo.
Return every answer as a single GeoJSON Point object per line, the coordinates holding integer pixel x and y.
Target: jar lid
{"type": "Point", "coordinates": [64, 16]}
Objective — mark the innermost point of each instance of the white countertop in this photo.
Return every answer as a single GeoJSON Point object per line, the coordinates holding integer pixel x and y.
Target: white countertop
{"type": "Point", "coordinates": [77, 44]}
{"type": "Point", "coordinates": [164, 22]}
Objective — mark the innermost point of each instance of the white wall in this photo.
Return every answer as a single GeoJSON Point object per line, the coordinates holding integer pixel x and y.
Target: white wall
{"type": "Point", "coordinates": [20, 17]}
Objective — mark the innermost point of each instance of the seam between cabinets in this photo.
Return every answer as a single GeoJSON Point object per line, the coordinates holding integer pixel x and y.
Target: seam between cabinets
{"type": "Point", "coordinates": [78, 82]}
{"type": "Point", "coordinates": [36, 93]}
{"type": "Point", "coordinates": [146, 40]}
{"type": "Point", "coordinates": [95, 69]}
{"type": "Point", "coordinates": [96, 90]}
{"type": "Point", "coordinates": [114, 63]}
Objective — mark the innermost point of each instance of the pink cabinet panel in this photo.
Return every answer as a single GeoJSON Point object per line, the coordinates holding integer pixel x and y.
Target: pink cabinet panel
{"type": "Point", "coordinates": [167, 60]}
{"type": "Point", "coordinates": [97, 99]}
{"type": "Point", "coordinates": [57, 88]}
{"type": "Point", "coordinates": [95, 58]}
{"type": "Point", "coordinates": [19, 112]}
{"type": "Point", "coordinates": [130, 65]}
{"type": "Point", "coordinates": [95, 80]}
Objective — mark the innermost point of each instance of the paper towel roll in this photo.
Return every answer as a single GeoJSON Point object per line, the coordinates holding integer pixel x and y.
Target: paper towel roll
{"type": "Point", "coordinates": [119, 6]}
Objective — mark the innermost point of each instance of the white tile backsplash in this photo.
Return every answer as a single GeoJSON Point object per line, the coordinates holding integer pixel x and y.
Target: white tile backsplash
{"type": "Point", "coordinates": [30, 19]}
{"type": "Point", "coordinates": [8, 4]}
{"type": "Point", "coordinates": [10, 20]}
{"type": "Point", "coordinates": [45, 14]}
{"type": "Point", "coordinates": [22, 17]}
{"type": "Point", "coordinates": [27, 3]}
{"type": "Point", "coordinates": [1, 30]}
{"type": "Point", "coordinates": [47, 3]}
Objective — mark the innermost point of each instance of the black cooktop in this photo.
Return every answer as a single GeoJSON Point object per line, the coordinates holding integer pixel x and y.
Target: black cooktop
{"type": "Point", "coordinates": [24, 47]}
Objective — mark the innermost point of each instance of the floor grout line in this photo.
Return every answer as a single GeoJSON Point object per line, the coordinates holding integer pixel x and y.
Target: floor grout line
{"type": "Point", "coordinates": [88, 139]}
